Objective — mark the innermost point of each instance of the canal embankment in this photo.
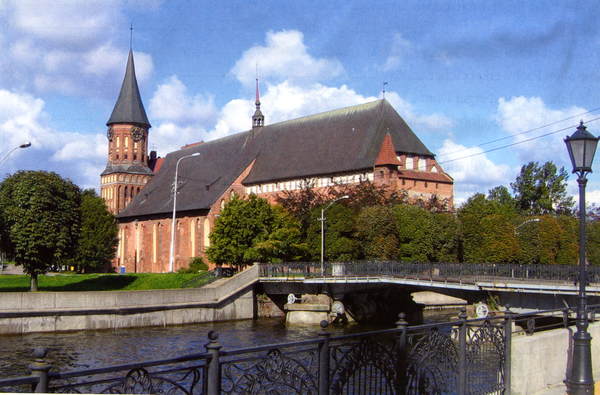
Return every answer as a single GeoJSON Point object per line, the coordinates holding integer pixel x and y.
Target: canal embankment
{"type": "Point", "coordinates": [225, 299]}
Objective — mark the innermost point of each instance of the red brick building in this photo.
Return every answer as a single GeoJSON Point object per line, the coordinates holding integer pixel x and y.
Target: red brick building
{"type": "Point", "coordinates": [364, 142]}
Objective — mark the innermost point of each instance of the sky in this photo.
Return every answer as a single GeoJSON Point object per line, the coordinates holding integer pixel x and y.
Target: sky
{"type": "Point", "coordinates": [488, 86]}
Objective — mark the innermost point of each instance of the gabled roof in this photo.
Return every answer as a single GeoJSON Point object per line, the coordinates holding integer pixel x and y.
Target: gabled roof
{"type": "Point", "coordinates": [340, 141]}
{"type": "Point", "coordinates": [129, 107]}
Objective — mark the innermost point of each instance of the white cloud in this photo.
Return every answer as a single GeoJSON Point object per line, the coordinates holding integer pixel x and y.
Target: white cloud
{"type": "Point", "coordinates": [179, 117]}
{"type": "Point", "coordinates": [521, 114]}
{"type": "Point", "coordinates": [472, 170]}
{"type": "Point", "coordinates": [419, 123]}
{"type": "Point", "coordinates": [284, 57]}
{"type": "Point", "coordinates": [72, 155]}
{"type": "Point", "coordinates": [65, 47]}
{"type": "Point", "coordinates": [400, 49]}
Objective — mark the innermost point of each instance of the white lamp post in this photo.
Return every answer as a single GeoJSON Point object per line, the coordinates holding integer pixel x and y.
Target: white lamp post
{"type": "Point", "coordinates": [24, 145]}
{"type": "Point", "coordinates": [172, 253]}
{"type": "Point", "coordinates": [322, 219]}
{"type": "Point", "coordinates": [525, 223]}
{"type": "Point", "coordinates": [582, 147]}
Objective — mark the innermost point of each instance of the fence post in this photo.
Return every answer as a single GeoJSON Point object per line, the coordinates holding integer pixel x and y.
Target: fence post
{"type": "Point", "coordinates": [40, 368]}
{"type": "Point", "coordinates": [508, 325]}
{"type": "Point", "coordinates": [462, 352]}
{"type": "Point", "coordinates": [213, 372]}
{"type": "Point", "coordinates": [324, 359]}
{"type": "Point", "coordinates": [402, 362]}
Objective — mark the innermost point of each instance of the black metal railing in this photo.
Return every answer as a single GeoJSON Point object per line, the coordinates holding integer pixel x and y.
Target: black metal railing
{"type": "Point", "coordinates": [459, 357]}
{"type": "Point", "coordinates": [449, 272]}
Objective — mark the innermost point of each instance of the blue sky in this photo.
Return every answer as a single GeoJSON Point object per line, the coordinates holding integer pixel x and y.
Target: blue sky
{"type": "Point", "coordinates": [469, 77]}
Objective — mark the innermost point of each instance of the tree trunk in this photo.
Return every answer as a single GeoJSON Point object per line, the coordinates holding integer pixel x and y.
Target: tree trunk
{"type": "Point", "coordinates": [34, 282]}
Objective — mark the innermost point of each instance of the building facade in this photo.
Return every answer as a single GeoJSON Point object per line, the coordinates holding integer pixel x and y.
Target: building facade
{"type": "Point", "coordinates": [346, 146]}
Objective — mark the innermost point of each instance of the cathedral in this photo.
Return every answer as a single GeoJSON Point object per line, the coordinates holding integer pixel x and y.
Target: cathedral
{"type": "Point", "coordinates": [161, 231]}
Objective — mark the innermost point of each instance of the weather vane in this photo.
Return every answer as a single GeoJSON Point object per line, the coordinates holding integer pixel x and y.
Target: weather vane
{"type": "Point", "coordinates": [384, 84]}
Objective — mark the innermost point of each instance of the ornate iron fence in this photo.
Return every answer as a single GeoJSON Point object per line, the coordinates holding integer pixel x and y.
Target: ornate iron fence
{"type": "Point", "coordinates": [450, 272]}
{"type": "Point", "coordinates": [459, 357]}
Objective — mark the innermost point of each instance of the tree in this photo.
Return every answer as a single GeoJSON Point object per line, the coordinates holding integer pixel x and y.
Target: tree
{"type": "Point", "coordinates": [98, 239]}
{"type": "Point", "coordinates": [501, 195]}
{"type": "Point", "coordinates": [252, 230]}
{"type": "Point", "coordinates": [415, 236]}
{"type": "Point", "coordinates": [376, 233]}
{"type": "Point", "coordinates": [542, 190]}
{"type": "Point", "coordinates": [340, 243]}
{"type": "Point", "coordinates": [40, 220]}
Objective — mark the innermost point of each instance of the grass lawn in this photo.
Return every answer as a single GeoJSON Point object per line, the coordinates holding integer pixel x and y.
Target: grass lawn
{"type": "Point", "coordinates": [97, 282]}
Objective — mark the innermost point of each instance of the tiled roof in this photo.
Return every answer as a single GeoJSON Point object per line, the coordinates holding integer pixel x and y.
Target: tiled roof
{"type": "Point", "coordinates": [129, 107]}
{"type": "Point", "coordinates": [340, 141]}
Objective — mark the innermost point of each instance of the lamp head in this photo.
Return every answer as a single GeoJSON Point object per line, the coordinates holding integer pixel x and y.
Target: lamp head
{"type": "Point", "coordinates": [25, 145]}
{"type": "Point", "coordinates": [582, 148]}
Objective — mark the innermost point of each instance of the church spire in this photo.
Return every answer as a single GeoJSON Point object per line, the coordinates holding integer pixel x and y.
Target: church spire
{"type": "Point", "coordinates": [258, 119]}
{"type": "Point", "coordinates": [129, 107]}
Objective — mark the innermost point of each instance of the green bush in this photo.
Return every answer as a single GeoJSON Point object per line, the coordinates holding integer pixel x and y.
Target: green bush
{"type": "Point", "coordinates": [196, 265]}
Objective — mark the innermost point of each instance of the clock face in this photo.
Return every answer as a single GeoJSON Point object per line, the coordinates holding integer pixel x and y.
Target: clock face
{"type": "Point", "coordinates": [136, 133]}
{"type": "Point", "coordinates": [110, 133]}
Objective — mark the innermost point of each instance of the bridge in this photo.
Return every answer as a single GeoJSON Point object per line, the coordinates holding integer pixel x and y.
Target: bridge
{"type": "Point", "coordinates": [525, 288]}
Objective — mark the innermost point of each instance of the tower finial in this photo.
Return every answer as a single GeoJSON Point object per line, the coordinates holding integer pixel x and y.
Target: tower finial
{"type": "Point", "coordinates": [384, 84]}
{"type": "Point", "coordinates": [257, 93]}
{"type": "Point", "coordinates": [131, 36]}
{"type": "Point", "coordinates": [258, 119]}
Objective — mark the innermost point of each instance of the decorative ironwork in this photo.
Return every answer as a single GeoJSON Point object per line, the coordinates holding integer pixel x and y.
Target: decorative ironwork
{"type": "Point", "coordinates": [137, 381]}
{"type": "Point", "coordinates": [433, 365]}
{"type": "Point", "coordinates": [530, 325]}
{"type": "Point", "coordinates": [485, 359]}
{"type": "Point", "coordinates": [464, 357]}
{"type": "Point", "coordinates": [275, 374]}
{"type": "Point", "coordinates": [368, 364]}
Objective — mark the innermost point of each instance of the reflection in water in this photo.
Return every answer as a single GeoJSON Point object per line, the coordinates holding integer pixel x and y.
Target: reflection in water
{"type": "Point", "coordinates": [81, 350]}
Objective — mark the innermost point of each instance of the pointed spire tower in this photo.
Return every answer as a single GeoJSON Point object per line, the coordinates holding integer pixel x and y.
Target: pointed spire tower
{"type": "Point", "coordinates": [127, 170]}
{"type": "Point", "coordinates": [258, 119]}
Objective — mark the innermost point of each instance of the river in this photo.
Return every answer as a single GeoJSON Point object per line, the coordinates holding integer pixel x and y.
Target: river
{"type": "Point", "coordinates": [87, 349]}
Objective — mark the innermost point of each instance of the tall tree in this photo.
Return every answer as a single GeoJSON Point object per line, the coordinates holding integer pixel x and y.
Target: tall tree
{"type": "Point", "coordinates": [251, 230]}
{"type": "Point", "coordinates": [542, 190]}
{"type": "Point", "coordinates": [40, 220]}
{"type": "Point", "coordinates": [99, 234]}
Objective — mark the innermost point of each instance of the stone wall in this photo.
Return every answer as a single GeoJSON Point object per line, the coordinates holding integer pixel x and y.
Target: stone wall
{"type": "Point", "coordinates": [227, 299]}
{"type": "Point", "coordinates": [539, 362]}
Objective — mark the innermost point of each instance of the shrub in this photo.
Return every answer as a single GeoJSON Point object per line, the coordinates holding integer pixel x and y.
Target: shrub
{"type": "Point", "coordinates": [196, 265]}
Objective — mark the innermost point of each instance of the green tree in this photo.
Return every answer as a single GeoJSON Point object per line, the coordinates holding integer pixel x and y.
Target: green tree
{"type": "Point", "coordinates": [473, 227]}
{"type": "Point", "coordinates": [542, 190]}
{"type": "Point", "coordinates": [251, 230]}
{"type": "Point", "coordinates": [415, 236]}
{"type": "Point", "coordinates": [340, 244]}
{"type": "Point", "coordinates": [377, 234]}
{"type": "Point", "coordinates": [502, 196]}
{"type": "Point", "coordinates": [40, 220]}
{"type": "Point", "coordinates": [446, 237]}
{"type": "Point", "coordinates": [98, 239]}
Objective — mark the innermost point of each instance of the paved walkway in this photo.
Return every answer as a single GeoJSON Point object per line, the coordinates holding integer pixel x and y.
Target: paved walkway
{"type": "Point", "coordinates": [12, 269]}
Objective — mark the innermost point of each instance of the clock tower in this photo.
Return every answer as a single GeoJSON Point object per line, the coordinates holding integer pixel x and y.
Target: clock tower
{"type": "Point", "coordinates": [127, 170]}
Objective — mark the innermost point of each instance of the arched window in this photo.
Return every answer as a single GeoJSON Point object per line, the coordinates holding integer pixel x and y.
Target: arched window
{"type": "Point", "coordinates": [206, 233]}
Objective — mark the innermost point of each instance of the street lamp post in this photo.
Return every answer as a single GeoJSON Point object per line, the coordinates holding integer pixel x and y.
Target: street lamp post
{"type": "Point", "coordinates": [582, 147]}
{"type": "Point", "coordinates": [172, 253]}
{"type": "Point", "coordinates": [525, 223]}
{"type": "Point", "coordinates": [322, 219]}
{"type": "Point", "coordinates": [24, 145]}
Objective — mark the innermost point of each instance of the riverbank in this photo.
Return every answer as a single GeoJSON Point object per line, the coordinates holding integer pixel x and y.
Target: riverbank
{"type": "Point", "coordinates": [225, 299]}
